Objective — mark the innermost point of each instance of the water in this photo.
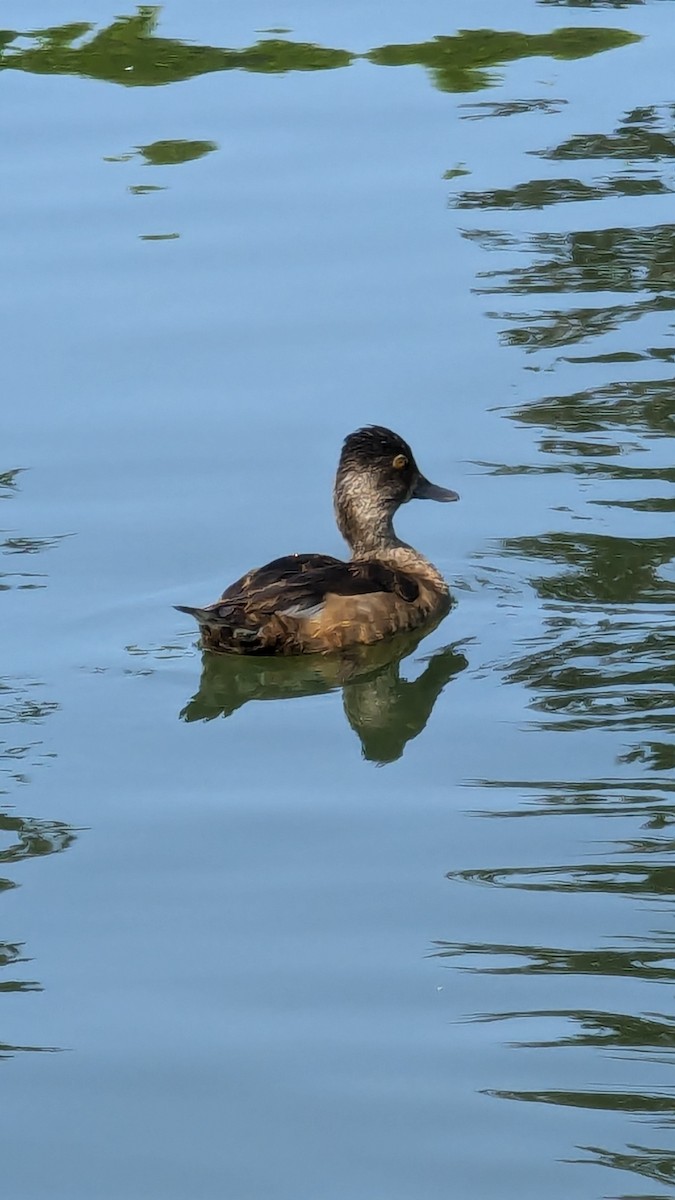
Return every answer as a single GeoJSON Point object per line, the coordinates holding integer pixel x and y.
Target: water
{"type": "Point", "coordinates": [403, 932]}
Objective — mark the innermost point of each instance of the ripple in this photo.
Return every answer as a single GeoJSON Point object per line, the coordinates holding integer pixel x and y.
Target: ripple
{"type": "Point", "coordinates": [653, 880]}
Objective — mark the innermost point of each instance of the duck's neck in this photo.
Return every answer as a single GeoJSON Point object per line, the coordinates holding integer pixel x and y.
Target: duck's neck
{"type": "Point", "coordinates": [374, 542]}
{"type": "Point", "coordinates": [369, 533]}
{"type": "Point", "coordinates": [365, 523]}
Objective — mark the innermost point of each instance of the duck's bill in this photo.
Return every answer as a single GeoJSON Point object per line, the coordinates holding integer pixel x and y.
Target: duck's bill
{"type": "Point", "coordinates": [423, 490]}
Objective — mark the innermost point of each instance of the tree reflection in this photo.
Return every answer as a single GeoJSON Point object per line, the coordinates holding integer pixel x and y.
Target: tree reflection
{"type": "Point", "coordinates": [170, 152]}
{"type": "Point", "coordinates": [602, 661]}
{"type": "Point", "coordinates": [616, 260]}
{"type": "Point", "coordinates": [129, 52]}
{"type": "Point", "coordinates": [643, 138]}
{"type": "Point", "coordinates": [652, 1035]}
{"type": "Point", "coordinates": [8, 483]}
{"type": "Point", "coordinates": [461, 63]}
{"type": "Point", "coordinates": [22, 702]}
{"type": "Point", "coordinates": [24, 707]}
{"type": "Point", "coordinates": [554, 329]}
{"type": "Point", "coordinates": [480, 110]}
{"type": "Point", "coordinates": [596, 666]}
{"type": "Point", "coordinates": [540, 193]}
{"type": "Point", "coordinates": [644, 134]}
{"type": "Point", "coordinates": [643, 406]}
{"type": "Point", "coordinates": [605, 658]}
{"type": "Point", "coordinates": [23, 837]}
{"type": "Point", "coordinates": [653, 1104]}
{"type": "Point", "coordinates": [598, 260]}
{"type": "Point", "coordinates": [384, 710]}
{"type": "Point", "coordinates": [602, 673]}
{"type": "Point", "coordinates": [14, 543]}
{"type": "Point", "coordinates": [654, 1163]}
{"type": "Point", "coordinates": [598, 568]}
{"type": "Point", "coordinates": [659, 756]}
{"type": "Point", "coordinates": [625, 878]}
{"type": "Point", "coordinates": [591, 3]}
{"type": "Point", "coordinates": [504, 958]}
{"type": "Point", "coordinates": [652, 800]}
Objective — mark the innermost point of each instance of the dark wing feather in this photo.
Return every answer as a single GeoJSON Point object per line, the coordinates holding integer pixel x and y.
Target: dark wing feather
{"type": "Point", "coordinates": [276, 573]}
{"type": "Point", "coordinates": [300, 583]}
{"type": "Point", "coordinates": [308, 588]}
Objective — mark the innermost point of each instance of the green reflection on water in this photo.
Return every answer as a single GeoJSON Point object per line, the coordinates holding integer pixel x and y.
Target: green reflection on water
{"type": "Point", "coordinates": [11, 954]}
{"type": "Point", "coordinates": [623, 962]}
{"type": "Point", "coordinates": [34, 839]}
{"type": "Point", "coordinates": [479, 111]}
{"type": "Point", "coordinates": [644, 879]}
{"type": "Point", "coordinates": [611, 673]}
{"type": "Point", "coordinates": [567, 326]}
{"type": "Point", "coordinates": [30, 545]}
{"type": "Point", "coordinates": [620, 260]}
{"type": "Point", "coordinates": [540, 193]}
{"type": "Point", "coordinates": [612, 260]}
{"type": "Point", "coordinates": [595, 797]}
{"type": "Point", "coordinates": [384, 710]}
{"type": "Point", "coordinates": [144, 189]}
{"type": "Point", "coordinates": [591, 3]}
{"type": "Point", "coordinates": [129, 52]}
{"type": "Point", "coordinates": [23, 709]}
{"type": "Point", "coordinates": [600, 1030]}
{"type": "Point", "coordinates": [653, 504]}
{"type": "Point", "coordinates": [171, 151]}
{"type": "Point", "coordinates": [661, 1104]}
{"type": "Point", "coordinates": [456, 172]}
{"type": "Point", "coordinates": [21, 544]}
{"type": "Point", "coordinates": [602, 663]}
{"type": "Point", "coordinates": [461, 63]}
{"type": "Point", "coordinates": [23, 837]}
{"type": "Point", "coordinates": [643, 405]}
{"type": "Point", "coordinates": [644, 134]}
{"type": "Point", "coordinates": [598, 567]}
{"type": "Point", "coordinates": [651, 1161]}
{"type": "Point", "coordinates": [22, 705]}
{"type": "Point", "coordinates": [18, 704]}
{"type": "Point", "coordinates": [658, 756]}
{"type": "Point", "coordinates": [8, 483]}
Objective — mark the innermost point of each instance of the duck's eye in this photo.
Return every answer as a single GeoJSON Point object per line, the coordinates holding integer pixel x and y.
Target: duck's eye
{"type": "Point", "coordinates": [400, 462]}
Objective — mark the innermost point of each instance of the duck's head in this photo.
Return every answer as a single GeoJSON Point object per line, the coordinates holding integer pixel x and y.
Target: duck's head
{"type": "Point", "coordinates": [377, 473]}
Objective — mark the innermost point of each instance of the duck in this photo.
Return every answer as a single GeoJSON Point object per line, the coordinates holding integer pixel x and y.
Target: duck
{"type": "Point", "coordinates": [317, 604]}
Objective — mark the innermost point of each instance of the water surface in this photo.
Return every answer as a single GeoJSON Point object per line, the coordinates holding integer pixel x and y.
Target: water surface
{"type": "Point", "coordinates": [403, 928]}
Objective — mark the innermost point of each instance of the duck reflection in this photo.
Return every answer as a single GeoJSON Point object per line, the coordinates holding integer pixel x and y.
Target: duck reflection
{"type": "Point", "coordinates": [385, 710]}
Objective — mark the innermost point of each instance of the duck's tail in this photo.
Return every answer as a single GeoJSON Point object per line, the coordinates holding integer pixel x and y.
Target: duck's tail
{"type": "Point", "coordinates": [201, 615]}
{"type": "Point", "coordinates": [225, 627]}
